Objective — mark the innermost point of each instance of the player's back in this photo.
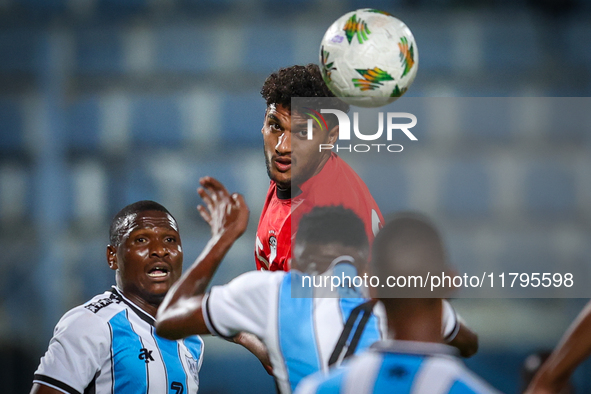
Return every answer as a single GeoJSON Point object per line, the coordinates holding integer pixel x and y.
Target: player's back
{"type": "Point", "coordinates": [400, 367]}
{"type": "Point", "coordinates": [300, 332]}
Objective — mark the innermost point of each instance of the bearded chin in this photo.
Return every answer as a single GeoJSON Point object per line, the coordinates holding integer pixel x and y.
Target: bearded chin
{"type": "Point", "coordinates": [282, 185]}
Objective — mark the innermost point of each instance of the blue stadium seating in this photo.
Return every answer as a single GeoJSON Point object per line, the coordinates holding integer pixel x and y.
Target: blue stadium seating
{"type": "Point", "coordinates": [19, 50]}
{"type": "Point", "coordinates": [99, 51]}
{"type": "Point", "coordinates": [11, 121]}
{"type": "Point", "coordinates": [242, 116]}
{"type": "Point", "coordinates": [550, 191]}
{"type": "Point", "coordinates": [184, 48]}
{"type": "Point", "coordinates": [156, 121]}
{"type": "Point", "coordinates": [487, 120]}
{"type": "Point", "coordinates": [269, 48]}
{"type": "Point", "coordinates": [83, 120]}
{"type": "Point", "coordinates": [466, 189]}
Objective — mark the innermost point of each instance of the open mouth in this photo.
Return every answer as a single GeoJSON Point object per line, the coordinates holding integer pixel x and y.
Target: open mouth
{"type": "Point", "coordinates": [283, 164]}
{"type": "Point", "coordinates": [158, 272]}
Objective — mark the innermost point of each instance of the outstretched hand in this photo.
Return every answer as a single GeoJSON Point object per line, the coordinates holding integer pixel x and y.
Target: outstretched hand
{"type": "Point", "coordinates": [223, 212]}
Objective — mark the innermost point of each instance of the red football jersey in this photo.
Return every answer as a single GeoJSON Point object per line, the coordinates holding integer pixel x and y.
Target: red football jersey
{"type": "Point", "coordinates": [335, 184]}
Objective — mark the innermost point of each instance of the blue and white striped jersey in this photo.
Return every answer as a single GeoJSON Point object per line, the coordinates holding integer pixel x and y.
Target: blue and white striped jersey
{"type": "Point", "coordinates": [109, 345]}
{"type": "Point", "coordinates": [400, 367]}
{"type": "Point", "coordinates": [300, 333]}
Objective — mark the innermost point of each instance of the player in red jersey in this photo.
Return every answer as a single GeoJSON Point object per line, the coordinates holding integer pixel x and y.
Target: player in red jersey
{"type": "Point", "coordinates": [302, 177]}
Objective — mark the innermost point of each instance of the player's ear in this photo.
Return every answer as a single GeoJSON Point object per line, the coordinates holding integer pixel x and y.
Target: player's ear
{"type": "Point", "coordinates": [112, 257]}
{"type": "Point", "coordinates": [333, 134]}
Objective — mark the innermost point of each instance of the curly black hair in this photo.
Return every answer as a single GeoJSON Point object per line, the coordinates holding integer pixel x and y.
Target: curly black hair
{"type": "Point", "coordinates": [299, 81]}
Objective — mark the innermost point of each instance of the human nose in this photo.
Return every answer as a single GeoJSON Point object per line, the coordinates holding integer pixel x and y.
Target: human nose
{"type": "Point", "coordinates": [284, 143]}
{"type": "Point", "coordinates": [159, 249]}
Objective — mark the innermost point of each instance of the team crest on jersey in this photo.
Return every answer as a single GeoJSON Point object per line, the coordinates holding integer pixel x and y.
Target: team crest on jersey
{"type": "Point", "coordinates": [273, 249]}
{"type": "Point", "coordinates": [193, 367]}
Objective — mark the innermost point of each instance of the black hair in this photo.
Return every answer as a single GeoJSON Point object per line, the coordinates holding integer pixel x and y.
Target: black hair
{"type": "Point", "coordinates": [332, 224]}
{"type": "Point", "coordinates": [117, 224]}
{"type": "Point", "coordinates": [300, 81]}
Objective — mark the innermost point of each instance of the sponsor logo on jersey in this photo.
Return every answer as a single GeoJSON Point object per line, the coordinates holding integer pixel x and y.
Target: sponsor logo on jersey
{"type": "Point", "coordinates": [103, 302]}
{"type": "Point", "coordinates": [146, 355]}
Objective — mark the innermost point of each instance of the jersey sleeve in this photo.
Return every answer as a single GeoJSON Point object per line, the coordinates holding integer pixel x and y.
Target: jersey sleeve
{"type": "Point", "coordinates": [241, 305]}
{"type": "Point", "coordinates": [76, 352]}
{"type": "Point", "coordinates": [450, 324]}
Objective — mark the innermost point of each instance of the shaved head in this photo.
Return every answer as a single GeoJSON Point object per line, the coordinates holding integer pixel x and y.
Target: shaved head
{"type": "Point", "coordinates": [409, 244]}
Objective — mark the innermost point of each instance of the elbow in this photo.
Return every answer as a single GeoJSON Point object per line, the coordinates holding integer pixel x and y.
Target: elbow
{"type": "Point", "coordinates": [466, 341]}
{"type": "Point", "coordinates": [470, 348]}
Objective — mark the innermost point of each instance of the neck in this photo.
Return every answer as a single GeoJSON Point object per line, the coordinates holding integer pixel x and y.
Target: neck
{"type": "Point", "coordinates": [414, 319]}
{"type": "Point", "coordinates": [150, 307]}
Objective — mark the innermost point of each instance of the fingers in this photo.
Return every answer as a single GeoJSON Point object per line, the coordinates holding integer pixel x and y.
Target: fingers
{"type": "Point", "coordinates": [239, 200]}
{"type": "Point", "coordinates": [213, 186]}
{"type": "Point", "coordinates": [204, 213]}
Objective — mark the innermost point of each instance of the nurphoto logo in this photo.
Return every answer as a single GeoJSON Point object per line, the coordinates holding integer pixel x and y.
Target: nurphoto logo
{"type": "Point", "coordinates": [392, 125]}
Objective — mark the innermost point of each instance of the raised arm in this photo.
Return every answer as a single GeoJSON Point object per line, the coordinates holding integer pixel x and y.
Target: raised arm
{"type": "Point", "coordinates": [573, 348]}
{"type": "Point", "coordinates": [180, 313]}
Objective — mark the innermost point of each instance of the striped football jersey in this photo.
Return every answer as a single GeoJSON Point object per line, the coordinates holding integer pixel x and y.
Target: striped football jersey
{"type": "Point", "coordinates": [109, 345]}
{"type": "Point", "coordinates": [300, 333]}
{"type": "Point", "coordinates": [404, 367]}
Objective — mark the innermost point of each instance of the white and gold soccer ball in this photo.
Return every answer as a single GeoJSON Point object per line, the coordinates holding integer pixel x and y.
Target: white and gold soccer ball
{"type": "Point", "coordinates": [368, 58]}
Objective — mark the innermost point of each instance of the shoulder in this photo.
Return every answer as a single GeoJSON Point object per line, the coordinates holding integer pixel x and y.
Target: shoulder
{"type": "Point", "coordinates": [355, 375]}
{"type": "Point", "coordinates": [453, 374]}
{"type": "Point", "coordinates": [257, 280]}
{"type": "Point", "coordinates": [93, 315]}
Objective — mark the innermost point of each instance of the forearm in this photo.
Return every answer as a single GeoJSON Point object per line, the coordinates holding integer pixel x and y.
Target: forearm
{"type": "Point", "coordinates": [180, 313]}
{"type": "Point", "coordinates": [574, 347]}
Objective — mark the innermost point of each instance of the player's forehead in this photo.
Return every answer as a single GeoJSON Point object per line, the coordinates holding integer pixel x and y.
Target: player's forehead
{"type": "Point", "coordinates": [283, 114]}
{"type": "Point", "coordinates": [148, 220]}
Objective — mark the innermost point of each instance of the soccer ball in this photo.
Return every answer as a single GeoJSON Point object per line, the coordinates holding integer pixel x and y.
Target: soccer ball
{"type": "Point", "coordinates": [368, 58]}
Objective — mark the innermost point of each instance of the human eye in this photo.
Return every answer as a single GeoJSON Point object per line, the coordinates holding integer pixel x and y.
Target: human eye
{"type": "Point", "coordinates": [302, 133]}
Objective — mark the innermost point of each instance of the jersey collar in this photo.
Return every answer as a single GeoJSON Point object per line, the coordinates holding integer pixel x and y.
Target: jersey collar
{"type": "Point", "coordinates": [145, 316]}
{"type": "Point", "coordinates": [415, 347]}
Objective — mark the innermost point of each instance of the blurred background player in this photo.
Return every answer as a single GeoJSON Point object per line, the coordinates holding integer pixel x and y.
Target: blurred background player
{"type": "Point", "coordinates": [303, 335]}
{"type": "Point", "coordinates": [574, 347]}
{"type": "Point", "coordinates": [299, 172]}
{"type": "Point", "coordinates": [109, 344]}
{"type": "Point", "coordinates": [416, 360]}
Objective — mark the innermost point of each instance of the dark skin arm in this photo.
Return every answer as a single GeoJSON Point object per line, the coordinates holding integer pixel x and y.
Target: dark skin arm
{"type": "Point", "coordinates": [466, 341]}
{"type": "Point", "coordinates": [573, 348]}
{"type": "Point", "coordinates": [180, 313]}
{"type": "Point", "coordinates": [43, 389]}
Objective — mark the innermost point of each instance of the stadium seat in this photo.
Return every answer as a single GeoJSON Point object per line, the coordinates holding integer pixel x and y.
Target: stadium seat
{"type": "Point", "coordinates": [242, 116]}
{"type": "Point", "coordinates": [466, 189]}
{"type": "Point", "coordinates": [11, 121]}
{"type": "Point", "coordinates": [156, 121]}
{"type": "Point", "coordinates": [486, 120]}
{"type": "Point", "coordinates": [268, 48]}
{"type": "Point", "coordinates": [99, 51]}
{"type": "Point", "coordinates": [83, 119]}
{"type": "Point", "coordinates": [550, 191]}
{"type": "Point", "coordinates": [185, 48]}
{"type": "Point", "coordinates": [510, 44]}
{"type": "Point", "coordinates": [19, 50]}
